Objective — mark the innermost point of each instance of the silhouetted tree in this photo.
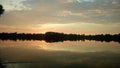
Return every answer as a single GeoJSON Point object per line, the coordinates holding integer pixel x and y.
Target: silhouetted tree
{"type": "Point", "coordinates": [1, 64]}
{"type": "Point", "coordinates": [1, 9]}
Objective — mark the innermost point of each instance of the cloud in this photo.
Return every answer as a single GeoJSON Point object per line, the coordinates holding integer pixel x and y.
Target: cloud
{"type": "Point", "coordinates": [11, 5]}
{"type": "Point", "coordinates": [66, 11]}
{"type": "Point", "coordinates": [103, 11]}
{"type": "Point", "coordinates": [32, 13]}
{"type": "Point", "coordinates": [93, 11]}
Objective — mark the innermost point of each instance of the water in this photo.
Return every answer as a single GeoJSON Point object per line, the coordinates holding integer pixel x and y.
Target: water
{"type": "Point", "coordinates": [68, 54]}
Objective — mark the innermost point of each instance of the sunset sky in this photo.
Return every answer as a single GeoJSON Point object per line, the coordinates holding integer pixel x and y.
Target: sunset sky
{"type": "Point", "coordinates": [68, 16]}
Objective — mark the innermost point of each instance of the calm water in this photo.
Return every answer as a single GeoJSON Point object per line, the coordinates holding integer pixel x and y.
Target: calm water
{"type": "Point", "coordinates": [76, 54]}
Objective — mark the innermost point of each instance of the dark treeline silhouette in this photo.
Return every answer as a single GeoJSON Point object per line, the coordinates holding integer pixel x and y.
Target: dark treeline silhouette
{"type": "Point", "coordinates": [56, 37]}
{"type": "Point", "coordinates": [20, 36]}
{"type": "Point", "coordinates": [1, 9]}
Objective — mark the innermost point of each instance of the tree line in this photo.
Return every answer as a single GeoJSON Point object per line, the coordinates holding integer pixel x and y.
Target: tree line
{"type": "Point", "coordinates": [56, 37]}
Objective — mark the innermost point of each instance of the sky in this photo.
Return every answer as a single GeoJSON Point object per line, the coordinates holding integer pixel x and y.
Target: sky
{"type": "Point", "coordinates": [68, 16]}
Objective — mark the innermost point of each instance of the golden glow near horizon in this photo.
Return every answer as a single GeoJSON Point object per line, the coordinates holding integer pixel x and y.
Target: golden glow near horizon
{"type": "Point", "coordinates": [68, 16]}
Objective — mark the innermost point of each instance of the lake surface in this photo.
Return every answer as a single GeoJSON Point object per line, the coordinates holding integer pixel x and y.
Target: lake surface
{"type": "Point", "coordinates": [67, 54]}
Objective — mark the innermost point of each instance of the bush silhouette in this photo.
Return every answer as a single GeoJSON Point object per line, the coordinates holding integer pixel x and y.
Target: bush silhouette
{"type": "Point", "coordinates": [1, 9]}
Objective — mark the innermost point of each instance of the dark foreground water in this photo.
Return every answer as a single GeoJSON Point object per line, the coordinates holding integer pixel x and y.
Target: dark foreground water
{"type": "Point", "coordinates": [76, 54]}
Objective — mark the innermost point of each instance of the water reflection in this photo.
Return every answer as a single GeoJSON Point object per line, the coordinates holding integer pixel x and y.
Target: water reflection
{"type": "Point", "coordinates": [71, 60]}
{"type": "Point", "coordinates": [39, 54]}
